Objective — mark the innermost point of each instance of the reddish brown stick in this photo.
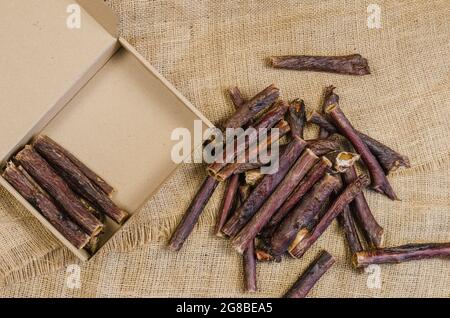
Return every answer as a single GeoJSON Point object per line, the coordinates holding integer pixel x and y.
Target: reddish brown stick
{"type": "Point", "coordinates": [329, 97]}
{"type": "Point", "coordinates": [42, 202]}
{"type": "Point", "coordinates": [333, 211]}
{"type": "Point", "coordinates": [191, 216]}
{"type": "Point", "coordinates": [252, 155]}
{"type": "Point", "coordinates": [44, 175]}
{"type": "Point", "coordinates": [351, 234]}
{"type": "Point", "coordinates": [249, 257]}
{"type": "Point", "coordinates": [249, 261]}
{"type": "Point", "coordinates": [296, 121]}
{"type": "Point", "coordinates": [228, 201]}
{"type": "Point", "coordinates": [371, 230]}
{"type": "Point", "coordinates": [314, 175]}
{"type": "Point", "coordinates": [236, 97]}
{"type": "Point", "coordinates": [321, 147]}
{"type": "Point", "coordinates": [353, 64]}
{"type": "Point", "coordinates": [264, 189]}
{"type": "Point", "coordinates": [75, 178]}
{"type": "Point", "coordinates": [379, 181]}
{"type": "Point", "coordinates": [311, 276]}
{"type": "Point", "coordinates": [93, 177]}
{"type": "Point", "coordinates": [303, 214]}
{"type": "Point", "coordinates": [389, 159]}
{"type": "Point", "coordinates": [260, 219]}
{"type": "Point", "coordinates": [240, 144]}
{"type": "Point", "coordinates": [262, 100]}
{"type": "Point", "coordinates": [405, 253]}
{"type": "Point", "coordinates": [296, 117]}
{"type": "Point", "coordinates": [258, 164]}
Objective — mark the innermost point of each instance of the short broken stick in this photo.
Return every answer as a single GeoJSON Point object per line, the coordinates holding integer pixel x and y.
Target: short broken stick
{"type": "Point", "coordinates": [53, 184]}
{"type": "Point", "coordinates": [43, 203]}
{"type": "Point", "coordinates": [405, 253]}
{"type": "Point", "coordinates": [353, 64]}
{"type": "Point", "coordinates": [191, 216]}
{"type": "Point", "coordinates": [311, 276]}
{"type": "Point", "coordinates": [296, 117]}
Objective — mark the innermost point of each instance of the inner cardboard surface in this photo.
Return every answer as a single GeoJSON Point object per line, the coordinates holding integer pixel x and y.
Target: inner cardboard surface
{"type": "Point", "coordinates": [43, 64]}
{"type": "Point", "coordinates": [120, 125]}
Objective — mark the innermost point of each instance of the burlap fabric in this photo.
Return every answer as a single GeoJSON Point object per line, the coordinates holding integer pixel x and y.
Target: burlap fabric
{"type": "Point", "coordinates": [205, 46]}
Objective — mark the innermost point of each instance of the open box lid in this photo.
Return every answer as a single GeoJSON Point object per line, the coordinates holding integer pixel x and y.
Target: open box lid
{"type": "Point", "coordinates": [47, 57]}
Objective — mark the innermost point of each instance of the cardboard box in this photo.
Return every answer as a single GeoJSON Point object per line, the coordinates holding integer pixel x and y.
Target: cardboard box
{"type": "Point", "coordinates": [90, 91]}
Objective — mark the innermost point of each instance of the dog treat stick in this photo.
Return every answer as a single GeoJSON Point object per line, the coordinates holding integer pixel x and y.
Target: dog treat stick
{"type": "Point", "coordinates": [228, 201]}
{"type": "Point", "coordinates": [296, 117]}
{"type": "Point", "coordinates": [260, 219]}
{"type": "Point", "coordinates": [249, 261]}
{"type": "Point", "coordinates": [370, 229]}
{"type": "Point", "coordinates": [379, 181]}
{"type": "Point", "coordinates": [249, 109]}
{"type": "Point", "coordinates": [313, 176]}
{"type": "Point", "coordinates": [42, 202]}
{"type": "Point", "coordinates": [264, 189]}
{"type": "Point", "coordinates": [192, 214]}
{"type": "Point", "coordinates": [353, 64]}
{"type": "Point", "coordinates": [297, 250]}
{"type": "Point", "coordinates": [252, 155]}
{"type": "Point", "coordinates": [321, 147]}
{"type": "Point", "coordinates": [401, 254]}
{"type": "Point", "coordinates": [388, 158]}
{"type": "Point", "coordinates": [249, 256]}
{"type": "Point", "coordinates": [239, 145]}
{"type": "Point", "coordinates": [311, 276]}
{"type": "Point", "coordinates": [77, 180]}
{"type": "Point", "coordinates": [93, 177]}
{"type": "Point", "coordinates": [329, 97]}
{"type": "Point", "coordinates": [303, 214]}
{"type": "Point", "coordinates": [236, 97]}
{"type": "Point", "coordinates": [347, 222]}
{"type": "Point", "coordinates": [44, 175]}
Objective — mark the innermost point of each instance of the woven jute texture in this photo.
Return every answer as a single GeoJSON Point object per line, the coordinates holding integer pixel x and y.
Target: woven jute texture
{"type": "Point", "coordinates": [203, 47]}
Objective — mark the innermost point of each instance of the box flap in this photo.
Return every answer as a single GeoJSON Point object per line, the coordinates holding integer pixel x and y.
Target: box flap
{"type": "Point", "coordinates": [50, 48]}
{"type": "Point", "coordinates": [102, 14]}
